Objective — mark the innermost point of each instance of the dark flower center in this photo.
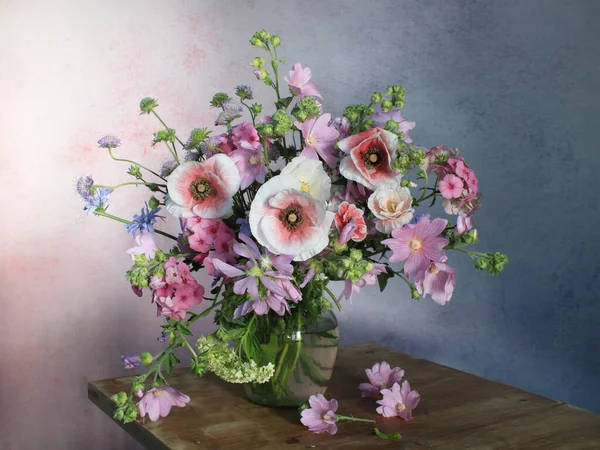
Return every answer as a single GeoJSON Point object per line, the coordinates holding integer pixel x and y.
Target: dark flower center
{"type": "Point", "coordinates": [291, 217]}
{"type": "Point", "coordinates": [201, 189]}
{"type": "Point", "coordinates": [372, 157]}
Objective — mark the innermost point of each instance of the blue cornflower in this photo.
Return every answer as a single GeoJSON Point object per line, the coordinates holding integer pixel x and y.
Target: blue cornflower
{"type": "Point", "coordinates": [163, 337]}
{"type": "Point", "coordinates": [109, 141]}
{"type": "Point", "coordinates": [131, 361]}
{"type": "Point", "coordinates": [417, 218]}
{"type": "Point", "coordinates": [230, 111]}
{"type": "Point", "coordinates": [244, 92]}
{"type": "Point", "coordinates": [244, 226]}
{"type": "Point", "coordinates": [96, 200]}
{"type": "Point", "coordinates": [144, 221]}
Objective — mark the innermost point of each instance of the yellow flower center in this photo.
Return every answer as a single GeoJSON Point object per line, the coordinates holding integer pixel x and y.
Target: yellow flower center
{"type": "Point", "coordinates": [305, 187]}
{"type": "Point", "coordinates": [255, 160]}
{"type": "Point", "coordinates": [310, 140]}
{"type": "Point", "coordinates": [415, 245]}
{"type": "Point", "coordinates": [400, 407]}
{"type": "Point", "coordinates": [391, 206]}
{"type": "Point", "coordinates": [201, 189]}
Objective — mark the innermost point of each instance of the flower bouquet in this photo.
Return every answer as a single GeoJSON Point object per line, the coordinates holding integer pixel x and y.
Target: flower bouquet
{"type": "Point", "coordinates": [274, 207]}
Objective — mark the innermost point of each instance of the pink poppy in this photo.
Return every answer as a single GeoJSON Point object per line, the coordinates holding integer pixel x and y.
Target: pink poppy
{"type": "Point", "coordinates": [157, 402]}
{"type": "Point", "coordinates": [369, 157]}
{"type": "Point", "coordinates": [287, 220]}
{"type": "Point", "coordinates": [381, 376]}
{"type": "Point", "coordinates": [319, 139]}
{"type": "Point", "coordinates": [298, 80]}
{"type": "Point", "coordinates": [391, 205]}
{"type": "Point", "coordinates": [203, 189]}
{"type": "Point", "coordinates": [350, 222]}
{"type": "Point", "coordinates": [398, 401]}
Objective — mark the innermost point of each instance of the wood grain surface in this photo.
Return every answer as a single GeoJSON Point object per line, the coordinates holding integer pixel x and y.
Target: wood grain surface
{"type": "Point", "coordinates": [457, 411]}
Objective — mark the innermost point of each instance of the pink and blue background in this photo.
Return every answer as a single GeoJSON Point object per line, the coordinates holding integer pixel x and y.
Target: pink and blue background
{"type": "Point", "coordinates": [514, 84]}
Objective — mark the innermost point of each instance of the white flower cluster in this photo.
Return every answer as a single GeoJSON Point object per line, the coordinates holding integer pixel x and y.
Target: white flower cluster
{"type": "Point", "coordinates": [227, 365]}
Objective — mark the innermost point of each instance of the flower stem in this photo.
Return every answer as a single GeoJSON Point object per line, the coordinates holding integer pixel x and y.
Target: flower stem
{"type": "Point", "coordinates": [333, 297]}
{"type": "Point", "coordinates": [128, 183]}
{"type": "Point", "coordinates": [133, 162]}
{"type": "Point", "coordinates": [127, 222]}
{"type": "Point", "coordinates": [353, 419]}
{"type": "Point", "coordinates": [165, 125]}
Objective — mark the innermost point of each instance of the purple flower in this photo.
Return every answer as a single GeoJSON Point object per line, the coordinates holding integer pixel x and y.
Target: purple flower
{"type": "Point", "coordinates": [157, 402]}
{"type": "Point", "coordinates": [96, 200]}
{"type": "Point", "coordinates": [367, 279]}
{"type": "Point", "coordinates": [83, 185]}
{"type": "Point", "coordinates": [163, 337]}
{"type": "Point", "coordinates": [131, 361]}
{"type": "Point", "coordinates": [398, 401]}
{"type": "Point", "coordinates": [109, 141]}
{"type": "Point", "coordinates": [244, 224]}
{"type": "Point", "coordinates": [438, 281]}
{"type": "Point", "coordinates": [464, 224]}
{"type": "Point", "coordinates": [404, 126]}
{"type": "Point", "coordinates": [144, 221]}
{"type": "Point", "coordinates": [136, 290]}
{"type": "Point", "coordinates": [319, 138]}
{"type": "Point", "coordinates": [145, 246]}
{"type": "Point", "coordinates": [381, 376]}
{"type": "Point", "coordinates": [244, 92]}
{"type": "Point", "coordinates": [417, 218]}
{"type": "Point", "coordinates": [168, 166]}
{"type": "Point", "coordinates": [320, 417]}
{"type": "Point", "coordinates": [231, 110]}
{"type": "Point", "coordinates": [298, 80]}
{"type": "Point", "coordinates": [248, 160]}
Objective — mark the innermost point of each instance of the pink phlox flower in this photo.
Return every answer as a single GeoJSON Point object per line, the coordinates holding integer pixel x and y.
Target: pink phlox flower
{"type": "Point", "coordinates": [451, 186]}
{"type": "Point", "coordinates": [249, 162]}
{"type": "Point", "coordinates": [404, 126]}
{"type": "Point", "coordinates": [434, 157]}
{"type": "Point", "coordinates": [298, 80]}
{"type": "Point", "coordinates": [320, 417]}
{"type": "Point", "coordinates": [245, 132]}
{"type": "Point", "coordinates": [398, 401]}
{"type": "Point", "coordinates": [319, 139]}
{"type": "Point", "coordinates": [464, 223]}
{"type": "Point", "coordinates": [465, 173]}
{"type": "Point", "coordinates": [157, 402]}
{"type": "Point", "coordinates": [206, 234]}
{"type": "Point", "coordinates": [438, 282]}
{"type": "Point", "coordinates": [145, 246]}
{"type": "Point", "coordinates": [367, 279]}
{"type": "Point", "coordinates": [350, 222]}
{"type": "Point", "coordinates": [381, 376]}
{"type": "Point", "coordinates": [177, 291]}
{"type": "Point", "coordinates": [419, 244]}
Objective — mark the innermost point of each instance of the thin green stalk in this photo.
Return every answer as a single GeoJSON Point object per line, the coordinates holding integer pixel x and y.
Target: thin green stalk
{"type": "Point", "coordinates": [165, 125]}
{"type": "Point", "coordinates": [333, 297]}
{"type": "Point", "coordinates": [133, 162]}
{"type": "Point", "coordinates": [128, 183]}
{"type": "Point", "coordinates": [353, 419]}
{"type": "Point", "coordinates": [127, 222]}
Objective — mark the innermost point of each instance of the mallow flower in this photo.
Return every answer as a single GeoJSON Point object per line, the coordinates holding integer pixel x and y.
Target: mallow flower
{"type": "Point", "coordinates": [398, 401]}
{"type": "Point", "coordinates": [404, 126]}
{"type": "Point", "coordinates": [157, 402]}
{"type": "Point", "coordinates": [319, 138]}
{"type": "Point", "coordinates": [298, 80]}
{"type": "Point", "coordinates": [203, 189]}
{"type": "Point", "coordinates": [438, 281]}
{"type": "Point", "coordinates": [381, 376]}
{"type": "Point", "coordinates": [289, 221]}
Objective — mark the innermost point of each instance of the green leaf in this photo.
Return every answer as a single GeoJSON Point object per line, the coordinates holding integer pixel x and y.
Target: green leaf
{"type": "Point", "coordinates": [183, 329]}
{"type": "Point", "coordinates": [284, 102]}
{"type": "Point", "coordinates": [387, 436]}
{"type": "Point", "coordinates": [383, 278]}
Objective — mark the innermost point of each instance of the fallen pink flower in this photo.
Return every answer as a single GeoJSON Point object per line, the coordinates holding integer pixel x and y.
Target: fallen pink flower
{"type": "Point", "coordinates": [157, 402]}
{"type": "Point", "coordinates": [381, 376]}
{"type": "Point", "coordinates": [398, 401]}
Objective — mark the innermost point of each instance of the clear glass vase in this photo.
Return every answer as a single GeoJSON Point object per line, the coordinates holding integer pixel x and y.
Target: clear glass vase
{"type": "Point", "coordinates": [303, 356]}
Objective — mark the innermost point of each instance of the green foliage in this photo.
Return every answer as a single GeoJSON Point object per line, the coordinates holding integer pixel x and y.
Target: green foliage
{"type": "Point", "coordinates": [135, 171]}
{"type": "Point", "coordinates": [219, 99]}
{"type": "Point", "coordinates": [387, 436]}
{"type": "Point", "coordinates": [166, 135]}
{"type": "Point", "coordinates": [197, 138]}
{"type": "Point", "coordinates": [147, 104]}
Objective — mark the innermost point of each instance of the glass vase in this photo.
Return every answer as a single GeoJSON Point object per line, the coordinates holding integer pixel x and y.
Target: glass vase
{"type": "Point", "coordinates": [303, 356]}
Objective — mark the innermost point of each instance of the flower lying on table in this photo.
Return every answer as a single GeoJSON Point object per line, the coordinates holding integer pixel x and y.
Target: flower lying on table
{"type": "Point", "coordinates": [274, 206]}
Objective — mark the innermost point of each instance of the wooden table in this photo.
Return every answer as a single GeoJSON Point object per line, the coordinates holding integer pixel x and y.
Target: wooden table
{"type": "Point", "coordinates": [457, 411]}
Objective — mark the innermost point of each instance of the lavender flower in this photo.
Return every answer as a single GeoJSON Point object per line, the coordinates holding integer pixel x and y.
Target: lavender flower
{"type": "Point", "coordinates": [244, 92]}
{"type": "Point", "coordinates": [109, 141]}
{"type": "Point", "coordinates": [167, 167]}
{"type": "Point", "coordinates": [144, 221]}
{"type": "Point", "coordinates": [131, 361]}
{"type": "Point", "coordinates": [231, 110]}
{"type": "Point", "coordinates": [83, 185]}
{"type": "Point", "coordinates": [244, 224]}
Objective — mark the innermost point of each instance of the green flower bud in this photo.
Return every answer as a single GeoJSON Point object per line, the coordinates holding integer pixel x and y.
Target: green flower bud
{"type": "Point", "coordinates": [355, 255]}
{"type": "Point", "coordinates": [120, 399]}
{"type": "Point", "coordinates": [167, 135]}
{"type": "Point", "coordinates": [339, 248]}
{"type": "Point", "coordinates": [386, 105]}
{"type": "Point", "coordinates": [414, 293]}
{"type": "Point", "coordinates": [153, 203]}
{"type": "Point", "coordinates": [138, 387]}
{"type": "Point", "coordinates": [376, 97]}
{"type": "Point", "coordinates": [131, 413]}
{"type": "Point", "coordinates": [218, 99]}
{"type": "Point", "coordinates": [470, 237]}
{"type": "Point", "coordinates": [118, 414]}
{"type": "Point", "coordinates": [256, 42]}
{"type": "Point", "coordinates": [368, 267]}
{"type": "Point", "coordinates": [391, 125]}
{"type": "Point", "coordinates": [500, 258]}
{"type": "Point", "coordinates": [256, 109]}
{"type": "Point", "coordinates": [309, 105]}
{"type": "Point", "coordinates": [300, 114]}
{"type": "Point", "coordinates": [159, 272]}
{"type": "Point", "coordinates": [260, 74]}
{"type": "Point", "coordinates": [140, 260]}
{"type": "Point", "coordinates": [263, 35]}
{"type": "Point", "coordinates": [197, 136]}
{"type": "Point", "coordinates": [147, 104]}
{"type": "Point", "coordinates": [258, 62]}
{"type": "Point", "coordinates": [146, 359]}
{"type": "Point", "coordinates": [275, 41]}
{"type": "Point", "coordinates": [268, 130]}
{"type": "Point", "coordinates": [135, 172]}
{"type": "Point", "coordinates": [346, 263]}
{"type": "Point", "coordinates": [481, 264]}
{"type": "Point", "coordinates": [389, 90]}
